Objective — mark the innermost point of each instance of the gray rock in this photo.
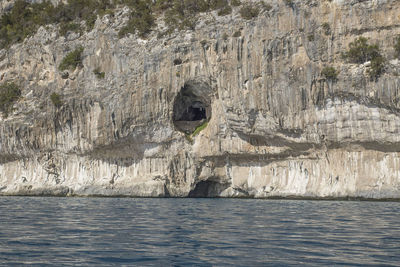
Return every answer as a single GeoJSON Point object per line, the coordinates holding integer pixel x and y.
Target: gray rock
{"type": "Point", "coordinates": [276, 127]}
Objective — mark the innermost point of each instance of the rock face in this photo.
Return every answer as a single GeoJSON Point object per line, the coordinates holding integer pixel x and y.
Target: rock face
{"type": "Point", "coordinates": [276, 126]}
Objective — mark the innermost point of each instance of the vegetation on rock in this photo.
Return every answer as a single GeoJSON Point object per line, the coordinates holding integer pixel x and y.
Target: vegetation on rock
{"type": "Point", "coordinates": [265, 7]}
{"type": "Point", "coordinates": [225, 11]}
{"type": "Point", "coordinates": [330, 73]}
{"type": "Point", "coordinates": [397, 47]}
{"type": "Point", "coordinates": [56, 100]}
{"type": "Point", "coordinates": [237, 34]}
{"type": "Point", "coordinates": [9, 94]}
{"type": "Point", "coordinates": [99, 74]}
{"type": "Point", "coordinates": [235, 2]}
{"type": "Point", "coordinates": [184, 14]}
{"type": "Point", "coordinates": [141, 18]}
{"type": "Point", "coordinates": [72, 59]}
{"type": "Point", "coordinates": [249, 11]}
{"type": "Point", "coordinates": [200, 128]}
{"type": "Point", "coordinates": [289, 3]}
{"type": "Point", "coordinates": [326, 27]}
{"type": "Point", "coordinates": [360, 52]}
{"type": "Point", "coordinates": [69, 27]}
{"type": "Point", "coordinates": [25, 18]}
{"type": "Point", "coordinates": [377, 67]}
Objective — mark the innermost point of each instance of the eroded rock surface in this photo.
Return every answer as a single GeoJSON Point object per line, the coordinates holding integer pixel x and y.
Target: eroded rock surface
{"type": "Point", "coordinates": [276, 126]}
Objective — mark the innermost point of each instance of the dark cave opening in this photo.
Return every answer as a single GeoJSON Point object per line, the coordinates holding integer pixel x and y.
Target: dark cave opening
{"type": "Point", "coordinates": [192, 107]}
{"type": "Point", "coordinates": [195, 112]}
{"type": "Point", "coordinates": [200, 113]}
{"type": "Point", "coordinates": [207, 189]}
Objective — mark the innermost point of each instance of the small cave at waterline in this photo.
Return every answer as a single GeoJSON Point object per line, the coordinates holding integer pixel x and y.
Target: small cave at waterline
{"type": "Point", "coordinates": [192, 106]}
{"type": "Point", "coordinates": [207, 188]}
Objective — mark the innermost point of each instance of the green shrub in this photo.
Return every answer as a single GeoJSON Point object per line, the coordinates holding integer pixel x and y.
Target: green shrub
{"type": "Point", "coordinates": [377, 67]}
{"type": "Point", "coordinates": [217, 4]}
{"type": "Point", "coordinates": [311, 37]}
{"type": "Point", "coordinates": [56, 100]}
{"type": "Point", "coordinates": [184, 14]}
{"type": "Point", "coordinates": [162, 5]}
{"type": "Point", "coordinates": [99, 74]}
{"type": "Point", "coordinates": [249, 11]}
{"type": "Point", "coordinates": [265, 7]}
{"type": "Point", "coordinates": [83, 10]}
{"type": "Point", "coordinates": [289, 3]}
{"type": "Point", "coordinates": [225, 11]}
{"type": "Point", "coordinates": [235, 2]}
{"type": "Point", "coordinates": [141, 19]}
{"type": "Point", "coordinates": [189, 138]}
{"type": "Point", "coordinates": [360, 52]}
{"type": "Point", "coordinates": [69, 27]}
{"type": "Point", "coordinates": [24, 18]}
{"type": "Point", "coordinates": [72, 59]}
{"type": "Point", "coordinates": [330, 73]}
{"type": "Point", "coordinates": [9, 94]}
{"type": "Point", "coordinates": [326, 27]}
{"type": "Point", "coordinates": [200, 128]}
{"type": "Point", "coordinates": [397, 47]}
{"type": "Point", "coordinates": [90, 22]}
{"type": "Point", "coordinates": [237, 34]}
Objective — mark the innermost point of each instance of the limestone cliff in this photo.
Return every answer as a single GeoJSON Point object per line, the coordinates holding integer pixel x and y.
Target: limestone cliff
{"type": "Point", "coordinates": [276, 125]}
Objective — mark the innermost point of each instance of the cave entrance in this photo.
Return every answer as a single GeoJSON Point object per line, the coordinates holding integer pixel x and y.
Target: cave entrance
{"type": "Point", "coordinates": [196, 111]}
{"type": "Point", "coordinates": [207, 188]}
{"type": "Point", "coordinates": [192, 106]}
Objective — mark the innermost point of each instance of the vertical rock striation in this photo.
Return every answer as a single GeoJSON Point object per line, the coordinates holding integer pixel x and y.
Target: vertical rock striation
{"type": "Point", "coordinates": [277, 126]}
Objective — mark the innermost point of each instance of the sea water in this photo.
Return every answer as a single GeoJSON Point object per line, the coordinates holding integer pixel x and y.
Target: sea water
{"type": "Point", "coordinates": [36, 231]}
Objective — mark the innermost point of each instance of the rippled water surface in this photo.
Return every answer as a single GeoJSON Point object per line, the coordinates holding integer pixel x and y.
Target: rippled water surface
{"type": "Point", "coordinates": [199, 232]}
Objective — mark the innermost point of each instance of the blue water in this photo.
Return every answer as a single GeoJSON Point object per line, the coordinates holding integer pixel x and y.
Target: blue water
{"type": "Point", "coordinates": [197, 232]}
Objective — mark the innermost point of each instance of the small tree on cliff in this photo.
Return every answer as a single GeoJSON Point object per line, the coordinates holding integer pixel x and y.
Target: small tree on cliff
{"type": "Point", "coordinates": [360, 52]}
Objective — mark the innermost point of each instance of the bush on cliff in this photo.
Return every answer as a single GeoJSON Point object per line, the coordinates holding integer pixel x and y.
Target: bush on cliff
{"type": "Point", "coordinates": [141, 19]}
{"type": "Point", "coordinates": [249, 11]}
{"type": "Point", "coordinates": [24, 18]}
{"type": "Point", "coordinates": [225, 11]}
{"type": "Point", "coordinates": [184, 14]}
{"type": "Point", "coordinates": [326, 27]}
{"type": "Point", "coordinates": [181, 15]}
{"type": "Point", "coordinates": [235, 2]}
{"type": "Point", "coordinates": [377, 67]}
{"type": "Point", "coordinates": [397, 47]}
{"type": "Point", "coordinates": [330, 73]}
{"type": "Point", "coordinates": [9, 94]}
{"type": "Point", "coordinates": [72, 59]}
{"type": "Point", "coordinates": [56, 100]}
{"type": "Point", "coordinates": [360, 52]}
{"type": "Point", "coordinates": [289, 3]}
{"type": "Point", "coordinates": [69, 27]}
{"type": "Point", "coordinates": [99, 74]}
